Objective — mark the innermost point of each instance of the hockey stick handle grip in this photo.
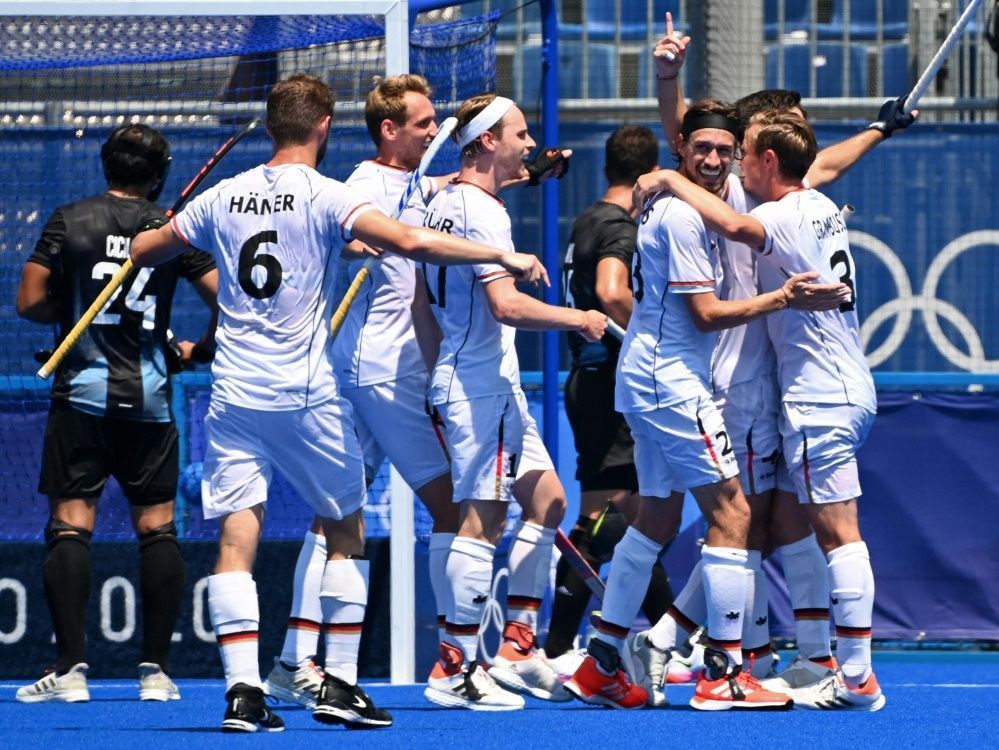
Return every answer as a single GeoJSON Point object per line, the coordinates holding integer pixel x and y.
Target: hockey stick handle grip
{"type": "Point", "coordinates": [940, 57]}
{"type": "Point", "coordinates": [118, 279]}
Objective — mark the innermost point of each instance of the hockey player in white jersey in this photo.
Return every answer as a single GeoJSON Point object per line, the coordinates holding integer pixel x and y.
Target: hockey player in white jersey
{"type": "Point", "coordinates": [496, 452]}
{"type": "Point", "coordinates": [276, 232]}
{"type": "Point", "coordinates": [382, 366]}
{"type": "Point", "coordinates": [828, 394]}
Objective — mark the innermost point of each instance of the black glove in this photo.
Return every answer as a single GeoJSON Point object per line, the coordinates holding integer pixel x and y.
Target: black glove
{"type": "Point", "coordinates": [174, 357]}
{"type": "Point", "coordinates": [151, 224]}
{"type": "Point", "coordinates": [892, 117]}
{"type": "Point", "coordinates": [544, 163]}
{"type": "Point", "coordinates": [203, 352]}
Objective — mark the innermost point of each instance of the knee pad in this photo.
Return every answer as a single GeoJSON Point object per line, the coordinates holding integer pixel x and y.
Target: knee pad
{"type": "Point", "coordinates": [607, 532]}
{"type": "Point", "coordinates": [58, 531]}
{"type": "Point", "coordinates": [165, 533]}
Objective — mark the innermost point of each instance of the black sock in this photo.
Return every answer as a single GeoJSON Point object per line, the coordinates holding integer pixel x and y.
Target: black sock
{"type": "Point", "coordinates": [571, 594]}
{"type": "Point", "coordinates": [66, 574]}
{"type": "Point", "coordinates": [659, 596]}
{"type": "Point", "coordinates": [161, 576]}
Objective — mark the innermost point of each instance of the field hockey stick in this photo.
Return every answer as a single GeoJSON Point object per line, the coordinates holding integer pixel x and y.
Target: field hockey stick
{"type": "Point", "coordinates": [119, 278]}
{"type": "Point", "coordinates": [443, 133]}
{"type": "Point", "coordinates": [578, 563]}
{"type": "Point", "coordinates": [938, 59]}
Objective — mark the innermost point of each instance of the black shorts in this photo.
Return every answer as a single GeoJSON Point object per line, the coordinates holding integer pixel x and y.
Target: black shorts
{"type": "Point", "coordinates": [604, 446]}
{"type": "Point", "coordinates": [82, 450]}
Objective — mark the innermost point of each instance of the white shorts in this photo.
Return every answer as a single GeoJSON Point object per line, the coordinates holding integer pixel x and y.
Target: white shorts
{"type": "Point", "coordinates": [493, 441]}
{"type": "Point", "coordinates": [820, 446]}
{"type": "Point", "coordinates": [315, 449]}
{"type": "Point", "coordinates": [751, 412]}
{"type": "Point", "coordinates": [680, 447]}
{"type": "Point", "coordinates": [391, 420]}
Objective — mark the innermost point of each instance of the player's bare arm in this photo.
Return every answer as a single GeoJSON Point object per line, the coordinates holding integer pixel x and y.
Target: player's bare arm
{"type": "Point", "coordinates": [425, 326]}
{"type": "Point", "coordinates": [155, 246]}
{"type": "Point", "coordinates": [514, 308]}
{"type": "Point", "coordinates": [668, 56]}
{"type": "Point", "coordinates": [203, 350]}
{"type": "Point", "coordinates": [717, 214]}
{"type": "Point", "coordinates": [798, 293]}
{"type": "Point", "coordinates": [33, 300]}
{"type": "Point", "coordinates": [430, 246]}
{"type": "Point", "coordinates": [614, 289]}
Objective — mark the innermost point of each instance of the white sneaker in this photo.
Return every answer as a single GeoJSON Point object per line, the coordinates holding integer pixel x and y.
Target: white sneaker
{"type": "Point", "coordinates": [68, 688]}
{"type": "Point", "coordinates": [800, 673]}
{"type": "Point", "coordinates": [155, 685]}
{"type": "Point", "coordinates": [834, 694]}
{"type": "Point", "coordinates": [471, 688]}
{"type": "Point", "coordinates": [528, 673]}
{"type": "Point", "coordinates": [565, 666]}
{"type": "Point", "coordinates": [294, 685]}
{"type": "Point", "coordinates": [647, 666]}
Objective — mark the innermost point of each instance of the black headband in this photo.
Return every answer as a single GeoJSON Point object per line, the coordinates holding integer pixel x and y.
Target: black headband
{"type": "Point", "coordinates": [711, 120]}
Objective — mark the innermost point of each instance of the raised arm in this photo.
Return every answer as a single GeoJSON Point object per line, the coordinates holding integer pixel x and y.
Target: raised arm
{"type": "Point", "coordinates": [668, 57]}
{"type": "Point", "coordinates": [514, 308]}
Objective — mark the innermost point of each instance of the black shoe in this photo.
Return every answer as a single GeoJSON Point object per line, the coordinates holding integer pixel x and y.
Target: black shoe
{"type": "Point", "coordinates": [246, 711]}
{"type": "Point", "coordinates": [340, 703]}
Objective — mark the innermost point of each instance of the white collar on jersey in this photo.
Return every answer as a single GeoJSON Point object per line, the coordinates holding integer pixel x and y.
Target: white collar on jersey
{"type": "Point", "coordinates": [488, 117]}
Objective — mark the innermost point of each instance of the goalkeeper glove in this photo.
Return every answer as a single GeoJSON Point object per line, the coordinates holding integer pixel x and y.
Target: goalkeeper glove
{"type": "Point", "coordinates": [545, 163]}
{"type": "Point", "coordinates": [892, 117]}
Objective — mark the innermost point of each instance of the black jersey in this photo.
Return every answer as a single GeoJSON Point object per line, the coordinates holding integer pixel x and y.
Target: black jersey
{"type": "Point", "coordinates": [118, 367]}
{"type": "Point", "coordinates": [603, 230]}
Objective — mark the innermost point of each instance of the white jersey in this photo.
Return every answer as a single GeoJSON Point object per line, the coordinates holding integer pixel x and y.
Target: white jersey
{"type": "Point", "coordinates": [376, 343]}
{"type": "Point", "coordinates": [664, 358]}
{"type": "Point", "coordinates": [744, 353]}
{"type": "Point", "coordinates": [276, 234]}
{"type": "Point", "coordinates": [477, 356]}
{"type": "Point", "coordinates": [819, 355]}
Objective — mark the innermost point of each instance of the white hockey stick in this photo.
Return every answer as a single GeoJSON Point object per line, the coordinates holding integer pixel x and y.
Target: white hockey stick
{"type": "Point", "coordinates": [940, 57]}
{"type": "Point", "coordinates": [443, 133]}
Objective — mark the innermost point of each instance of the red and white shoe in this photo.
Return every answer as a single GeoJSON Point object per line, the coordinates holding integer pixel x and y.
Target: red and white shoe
{"type": "Point", "coordinates": [591, 684]}
{"type": "Point", "coordinates": [521, 666]}
{"type": "Point", "coordinates": [736, 690]}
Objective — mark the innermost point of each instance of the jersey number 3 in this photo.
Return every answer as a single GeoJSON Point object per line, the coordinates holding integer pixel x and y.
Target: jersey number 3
{"type": "Point", "coordinates": [265, 282]}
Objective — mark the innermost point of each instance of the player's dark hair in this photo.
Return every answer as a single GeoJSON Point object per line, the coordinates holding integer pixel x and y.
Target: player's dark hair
{"type": "Point", "coordinates": [387, 101]}
{"type": "Point", "coordinates": [135, 154]}
{"type": "Point", "coordinates": [465, 114]}
{"type": "Point", "coordinates": [630, 152]}
{"type": "Point", "coordinates": [790, 138]}
{"type": "Point", "coordinates": [295, 107]}
{"type": "Point", "coordinates": [768, 100]}
{"type": "Point", "coordinates": [709, 113]}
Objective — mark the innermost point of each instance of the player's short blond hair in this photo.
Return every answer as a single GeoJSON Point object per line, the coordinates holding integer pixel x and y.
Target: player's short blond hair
{"type": "Point", "coordinates": [466, 113]}
{"type": "Point", "coordinates": [295, 107]}
{"type": "Point", "coordinates": [790, 138]}
{"type": "Point", "coordinates": [387, 101]}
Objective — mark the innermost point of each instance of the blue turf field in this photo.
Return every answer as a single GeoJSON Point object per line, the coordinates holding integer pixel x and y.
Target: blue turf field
{"type": "Point", "coordinates": [935, 700]}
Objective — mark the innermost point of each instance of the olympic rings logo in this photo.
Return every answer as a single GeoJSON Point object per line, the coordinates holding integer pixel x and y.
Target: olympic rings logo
{"type": "Point", "coordinates": [492, 615]}
{"type": "Point", "coordinates": [926, 302]}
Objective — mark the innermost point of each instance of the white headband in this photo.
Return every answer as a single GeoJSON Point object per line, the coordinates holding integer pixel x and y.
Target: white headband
{"type": "Point", "coordinates": [488, 117]}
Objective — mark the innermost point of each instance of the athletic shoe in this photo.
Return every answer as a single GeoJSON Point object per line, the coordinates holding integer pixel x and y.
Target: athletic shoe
{"type": "Point", "coordinates": [687, 662]}
{"type": "Point", "coordinates": [248, 712]}
{"type": "Point", "coordinates": [342, 703]}
{"type": "Point", "coordinates": [565, 666]}
{"type": "Point", "coordinates": [608, 686]}
{"type": "Point", "coordinates": [155, 685]}
{"type": "Point", "coordinates": [834, 694]}
{"type": "Point", "coordinates": [736, 690]}
{"type": "Point", "coordinates": [528, 673]}
{"type": "Point", "coordinates": [800, 673]}
{"type": "Point", "coordinates": [471, 688]}
{"type": "Point", "coordinates": [299, 685]}
{"type": "Point", "coordinates": [648, 667]}
{"type": "Point", "coordinates": [66, 688]}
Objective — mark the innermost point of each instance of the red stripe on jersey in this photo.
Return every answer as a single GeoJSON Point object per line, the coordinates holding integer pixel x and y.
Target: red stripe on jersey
{"type": "Point", "coordinates": [457, 181]}
{"type": "Point", "coordinates": [691, 283]}
{"type": "Point", "coordinates": [493, 275]}
{"type": "Point", "coordinates": [176, 231]}
{"type": "Point", "coordinates": [354, 210]}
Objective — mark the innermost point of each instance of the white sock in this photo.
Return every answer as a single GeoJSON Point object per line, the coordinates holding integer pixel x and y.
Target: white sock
{"type": "Point", "coordinates": [627, 583]}
{"type": "Point", "coordinates": [807, 575]}
{"type": "Point", "coordinates": [235, 613]}
{"type": "Point", "coordinates": [688, 610]}
{"type": "Point", "coordinates": [755, 626]}
{"type": "Point", "coordinates": [530, 560]}
{"type": "Point", "coordinates": [305, 620]}
{"type": "Point", "coordinates": [344, 598]}
{"type": "Point", "coordinates": [725, 590]}
{"type": "Point", "coordinates": [470, 575]}
{"type": "Point", "coordinates": [852, 583]}
{"type": "Point", "coordinates": [440, 548]}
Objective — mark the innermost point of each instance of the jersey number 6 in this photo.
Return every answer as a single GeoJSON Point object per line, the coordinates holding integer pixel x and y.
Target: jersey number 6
{"type": "Point", "coordinates": [270, 265]}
